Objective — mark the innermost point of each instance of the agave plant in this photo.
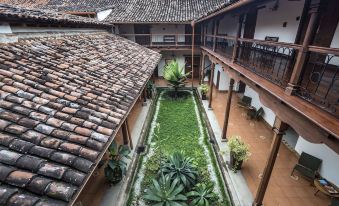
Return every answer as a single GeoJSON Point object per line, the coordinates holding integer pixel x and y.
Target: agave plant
{"type": "Point", "coordinates": [180, 168]}
{"type": "Point", "coordinates": [202, 195]}
{"type": "Point", "coordinates": [166, 192]}
{"type": "Point", "coordinates": [117, 165]}
{"type": "Point", "coordinates": [174, 75]}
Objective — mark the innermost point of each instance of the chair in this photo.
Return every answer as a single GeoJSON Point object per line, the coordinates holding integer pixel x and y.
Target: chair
{"type": "Point", "coordinates": [334, 202]}
{"type": "Point", "coordinates": [245, 101]}
{"type": "Point", "coordinates": [308, 166]}
{"type": "Point", "coordinates": [255, 114]}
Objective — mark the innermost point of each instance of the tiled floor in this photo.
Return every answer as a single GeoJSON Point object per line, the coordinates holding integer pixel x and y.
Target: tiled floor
{"type": "Point", "coordinates": [282, 189]}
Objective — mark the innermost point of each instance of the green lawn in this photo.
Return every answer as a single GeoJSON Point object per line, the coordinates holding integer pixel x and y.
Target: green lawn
{"type": "Point", "coordinates": [178, 130]}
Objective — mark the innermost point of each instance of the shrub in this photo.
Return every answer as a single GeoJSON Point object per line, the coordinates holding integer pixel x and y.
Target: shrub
{"type": "Point", "coordinates": [202, 195]}
{"type": "Point", "coordinates": [174, 75]}
{"type": "Point", "coordinates": [204, 88]}
{"type": "Point", "coordinates": [239, 150]}
{"type": "Point", "coordinates": [181, 169]}
{"type": "Point", "coordinates": [166, 192]}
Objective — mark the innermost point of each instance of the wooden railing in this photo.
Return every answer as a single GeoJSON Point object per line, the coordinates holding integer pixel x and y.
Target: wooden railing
{"type": "Point", "coordinates": [275, 61]}
{"type": "Point", "coordinates": [164, 40]}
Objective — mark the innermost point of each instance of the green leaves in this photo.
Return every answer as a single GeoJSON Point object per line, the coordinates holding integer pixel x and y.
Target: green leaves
{"type": "Point", "coordinates": [202, 195]}
{"type": "Point", "coordinates": [165, 192]}
{"type": "Point", "coordinates": [181, 169]}
{"type": "Point", "coordinates": [117, 166]}
{"type": "Point", "coordinates": [174, 75]}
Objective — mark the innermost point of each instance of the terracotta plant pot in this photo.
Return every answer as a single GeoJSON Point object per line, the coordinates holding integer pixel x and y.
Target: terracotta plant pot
{"type": "Point", "coordinates": [113, 176]}
{"type": "Point", "coordinates": [234, 163]}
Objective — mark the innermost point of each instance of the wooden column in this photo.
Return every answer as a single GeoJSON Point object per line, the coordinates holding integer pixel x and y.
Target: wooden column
{"type": "Point", "coordinates": [211, 86]}
{"type": "Point", "coordinates": [227, 112]}
{"type": "Point", "coordinates": [303, 52]}
{"type": "Point", "coordinates": [205, 33]}
{"type": "Point", "coordinates": [192, 66]}
{"type": "Point", "coordinates": [278, 129]}
{"type": "Point", "coordinates": [215, 33]}
{"type": "Point", "coordinates": [144, 97]}
{"type": "Point", "coordinates": [202, 67]}
{"type": "Point", "coordinates": [236, 45]}
{"type": "Point", "coordinates": [129, 135]}
{"type": "Point", "coordinates": [125, 132]}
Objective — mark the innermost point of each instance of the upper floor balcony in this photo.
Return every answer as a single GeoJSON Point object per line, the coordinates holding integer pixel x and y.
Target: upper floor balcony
{"type": "Point", "coordinates": [318, 82]}
{"type": "Point", "coordinates": [165, 41]}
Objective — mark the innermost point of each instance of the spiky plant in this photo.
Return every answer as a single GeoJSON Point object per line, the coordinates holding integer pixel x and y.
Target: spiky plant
{"type": "Point", "coordinates": [180, 168]}
{"type": "Point", "coordinates": [116, 166]}
{"type": "Point", "coordinates": [174, 75]}
{"type": "Point", "coordinates": [166, 192]}
{"type": "Point", "coordinates": [202, 195]}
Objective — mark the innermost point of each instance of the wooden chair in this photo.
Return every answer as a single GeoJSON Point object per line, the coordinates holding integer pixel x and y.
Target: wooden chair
{"type": "Point", "coordinates": [308, 166]}
{"type": "Point", "coordinates": [245, 102]}
{"type": "Point", "coordinates": [255, 114]}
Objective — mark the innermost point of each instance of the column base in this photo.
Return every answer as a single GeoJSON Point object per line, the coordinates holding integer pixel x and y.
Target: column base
{"type": "Point", "coordinates": [210, 108]}
{"type": "Point", "coordinates": [291, 89]}
{"type": "Point", "coordinates": [224, 140]}
{"type": "Point", "coordinates": [144, 104]}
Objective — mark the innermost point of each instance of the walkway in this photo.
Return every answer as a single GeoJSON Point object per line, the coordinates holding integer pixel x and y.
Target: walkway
{"type": "Point", "coordinates": [282, 190]}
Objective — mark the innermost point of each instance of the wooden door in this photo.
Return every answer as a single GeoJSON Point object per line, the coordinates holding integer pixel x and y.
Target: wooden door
{"type": "Point", "coordinates": [196, 63]}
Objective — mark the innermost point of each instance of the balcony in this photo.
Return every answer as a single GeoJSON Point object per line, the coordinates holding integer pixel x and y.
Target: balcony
{"type": "Point", "coordinates": [275, 61]}
{"type": "Point", "coordinates": [165, 41]}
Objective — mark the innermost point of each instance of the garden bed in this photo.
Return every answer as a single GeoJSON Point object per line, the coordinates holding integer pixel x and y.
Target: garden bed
{"type": "Point", "coordinates": [177, 126]}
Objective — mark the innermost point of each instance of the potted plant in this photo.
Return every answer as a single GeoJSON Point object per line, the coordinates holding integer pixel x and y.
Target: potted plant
{"type": "Point", "coordinates": [203, 89]}
{"type": "Point", "coordinates": [239, 152]}
{"type": "Point", "coordinates": [149, 89]}
{"type": "Point", "coordinates": [116, 166]}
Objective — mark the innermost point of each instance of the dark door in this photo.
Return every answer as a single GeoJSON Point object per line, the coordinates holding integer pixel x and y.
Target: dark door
{"type": "Point", "coordinates": [242, 87]}
{"type": "Point", "coordinates": [188, 63]}
{"type": "Point", "coordinates": [142, 29]}
{"type": "Point", "coordinates": [218, 79]}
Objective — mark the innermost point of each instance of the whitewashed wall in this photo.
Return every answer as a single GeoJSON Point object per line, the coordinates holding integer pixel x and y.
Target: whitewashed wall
{"type": "Point", "coordinates": [269, 115]}
{"type": "Point", "coordinates": [101, 15]}
{"type": "Point", "coordinates": [169, 55]}
{"type": "Point", "coordinates": [228, 25]}
{"type": "Point", "coordinates": [330, 165]}
{"type": "Point", "coordinates": [5, 28]}
{"type": "Point", "coordinates": [127, 29]}
{"type": "Point", "coordinates": [270, 22]}
{"type": "Point", "coordinates": [335, 44]}
{"type": "Point", "coordinates": [167, 29]}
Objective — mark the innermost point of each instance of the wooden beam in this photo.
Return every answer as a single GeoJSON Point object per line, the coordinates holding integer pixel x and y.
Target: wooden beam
{"type": "Point", "coordinates": [129, 135]}
{"type": "Point", "coordinates": [124, 133]}
{"type": "Point", "coordinates": [279, 128]}
{"type": "Point", "coordinates": [202, 65]}
{"type": "Point", "coordinates": [215, 32]}
{"type": "Point", "coordinates": [238, 35]}
{"type": "Point", "coordinates": [211, 86]}
{"type": "Point", "coordinates": [303, 52]}
{"type": "Point", "coordinates": [227, 111]}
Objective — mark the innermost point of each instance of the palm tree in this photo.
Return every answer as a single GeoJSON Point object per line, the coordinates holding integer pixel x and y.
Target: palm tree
{"type": "Point", "coordinates": [175, 76]}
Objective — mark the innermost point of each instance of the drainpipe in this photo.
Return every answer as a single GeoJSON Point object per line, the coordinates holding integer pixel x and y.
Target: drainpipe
{"type": "Point", "coordinates": [193, 25]}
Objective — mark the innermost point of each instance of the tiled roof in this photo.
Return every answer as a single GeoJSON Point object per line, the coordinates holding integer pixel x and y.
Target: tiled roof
{"type": "Point", "coordinates": [134, 10]}
{"type": "Point", "coordinates": [61, 103]}
{"type": "Point", "coordinates": [62, 5]}
{"type": "Point", "coordinates": [161, 10]}
{"type": "Point", "coordinates": [13, 13]}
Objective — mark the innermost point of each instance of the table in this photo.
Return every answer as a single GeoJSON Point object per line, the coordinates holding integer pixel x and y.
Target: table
{"type": "Point", "coordinates": [323, 190]}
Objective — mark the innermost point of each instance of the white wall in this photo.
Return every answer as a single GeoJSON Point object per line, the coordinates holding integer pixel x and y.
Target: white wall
{"type": "Point", "coordinates": [224, 81]}
{"type": "Point", "coordinates": [228, 25]}
{"type": "Point", "coordinates": [269, 115]}
{"type": "Point", "coordinates": [335, 44]}
{"type": "Point", "coordinates": [5, 28]}
{"type": "Point", "coordinates": [170, 55]}
{"type": "Point", "coordinates": [270, 23]}
{"type": "Point", "coordinates": [330, 165]}
{"type": "Point", "coordinates": [167, 29]}
{"type": "Point", "coordinates": [101, 15]}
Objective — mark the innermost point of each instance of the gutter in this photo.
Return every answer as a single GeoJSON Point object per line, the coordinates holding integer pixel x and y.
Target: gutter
{"type": "Point", "coordinates": [235, 5]}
